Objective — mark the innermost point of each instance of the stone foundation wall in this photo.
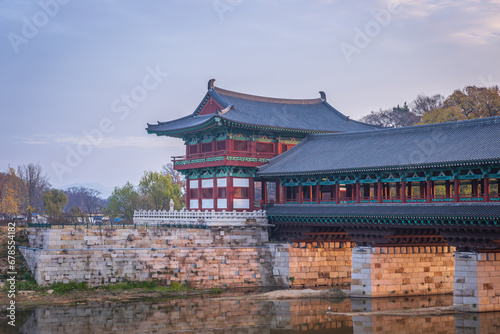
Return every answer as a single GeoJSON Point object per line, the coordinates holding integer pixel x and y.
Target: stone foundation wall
{"type": "Point", "coordinates": [205, 258]}
{"type": "Point", "coordinates": [402, 271]}
{"type": "Point", "coordinates": [327, 265]}
{"type": "Point", "coordinates": [202, 267]}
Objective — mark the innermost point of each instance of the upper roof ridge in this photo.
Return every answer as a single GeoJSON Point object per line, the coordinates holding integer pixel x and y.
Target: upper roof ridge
{"type": "Point", "coordinates": [226, 92]}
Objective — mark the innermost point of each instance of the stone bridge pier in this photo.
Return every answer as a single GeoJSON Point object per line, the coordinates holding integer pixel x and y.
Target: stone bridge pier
{"type": "Point", "coordinates": [473, 278]}
{"type": "Point", "coordinates": [401, 271]}
{"type": "Point", "coordinates": [477, 281]}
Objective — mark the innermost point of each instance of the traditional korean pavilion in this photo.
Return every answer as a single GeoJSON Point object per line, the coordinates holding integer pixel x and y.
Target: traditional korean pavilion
{"type": "Point", "coordinates": [230, 134]}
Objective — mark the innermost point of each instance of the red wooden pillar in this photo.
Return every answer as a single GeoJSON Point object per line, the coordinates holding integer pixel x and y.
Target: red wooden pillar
{"type": "Point", "coordinates": [337, 193]}
{"type": "Point", "coordinates": [230, 193]}
{"type": "Point", "coordinates": [300, 193]}
{"type": "Point", "coordinates": [403, 191]}
{"type": "Point", "coordinates": [410, 189]}
{"type": "Point", "coordinates": [358, 192]}
{"type": "Point", "coordinates": [318, 193]}
{"type": "Point", "coordinates": [398, 191]}
{"type": "Point", "coordinates": [278, 191]}
{"type": "Point", "coordinates": [486, 189]}
{"type": "Point", "coordinates": [447, 186]}
{"type": "Point", "coordinates": [429, 190]}
{"type": "Point", "coordinates": [456, 190]}
{"type": "Point", "coordinates": [379, 191]}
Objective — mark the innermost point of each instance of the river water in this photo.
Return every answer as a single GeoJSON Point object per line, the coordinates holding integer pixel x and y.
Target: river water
{"type": "Point", "coordinates": [221, 316]}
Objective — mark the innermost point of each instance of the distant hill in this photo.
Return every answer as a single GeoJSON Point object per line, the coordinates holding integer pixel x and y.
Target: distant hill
{"type": "Point", "coordinates": [105, 191]}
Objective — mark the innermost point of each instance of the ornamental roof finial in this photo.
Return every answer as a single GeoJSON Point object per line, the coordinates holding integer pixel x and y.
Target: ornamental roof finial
{"type": "Point", "coordinates": [211, 84]}
{"type": "Point", "coordinates": [323, 95]}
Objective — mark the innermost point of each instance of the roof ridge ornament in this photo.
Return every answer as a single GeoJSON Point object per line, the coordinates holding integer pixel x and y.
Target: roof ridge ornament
{"type": "Point", "coordinates": [225, 110]}
{"type": "Point", "coordinates": [323, 95]}
{"type": "Point", "coordinates": [211, 84]}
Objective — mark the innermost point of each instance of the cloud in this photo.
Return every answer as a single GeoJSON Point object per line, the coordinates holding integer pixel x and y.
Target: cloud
{"type": "Point", "coordinates": [104, 142]}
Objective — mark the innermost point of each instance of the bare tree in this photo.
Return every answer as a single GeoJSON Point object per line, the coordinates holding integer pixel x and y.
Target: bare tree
{"type": "Point", "coordinates": [88, 201]}
{"type": "Point", "coordinates": [36, 182]}
{"type": "Point", "coordinates": [425, 104]}
{"type": "Point", "coordinates": [394, 118]}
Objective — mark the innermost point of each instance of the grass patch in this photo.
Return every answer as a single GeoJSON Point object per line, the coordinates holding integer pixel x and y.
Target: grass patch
{"type": "Point", "coordinates": [28, 284]}
{"type": "Point", "coordinates": [149, 285]}
{"type": "Point", "coordinates": [61, 288]}
{"type": "Point", "coordinates": [128, 285]}
{"type": "Point", "coordinates": [214, 291]}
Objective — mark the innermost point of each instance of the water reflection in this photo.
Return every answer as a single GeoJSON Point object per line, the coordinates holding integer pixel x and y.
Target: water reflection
{"type": "Point", "coordinates": [209, 315]}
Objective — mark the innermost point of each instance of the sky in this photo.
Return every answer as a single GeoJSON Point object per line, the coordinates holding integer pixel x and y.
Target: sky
{"type": "Point", "coordinates": [80, 80]}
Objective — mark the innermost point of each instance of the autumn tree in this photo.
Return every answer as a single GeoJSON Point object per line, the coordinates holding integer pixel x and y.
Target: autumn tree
{"type": "Point", "coordinates": [468, 103]}
{"type": "Point", "coordinates": [12, 194]}
{"type": "Point", "coordinates": [54, 201]}
{"type": "Point", "coordinates": [36, 183]}
{"type": "Point", "coordinates": [123, 201]}
{"type": "Point", "coordinates": [157, 190]}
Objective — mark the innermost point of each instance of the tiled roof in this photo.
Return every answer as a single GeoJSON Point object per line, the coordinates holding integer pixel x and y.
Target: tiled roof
{"type": "Point", "coordinates": [445, 144]}
{"type": "Point", "coordinates": [311, 115]}
{"type": "Point", "coordinates": [430, 210]}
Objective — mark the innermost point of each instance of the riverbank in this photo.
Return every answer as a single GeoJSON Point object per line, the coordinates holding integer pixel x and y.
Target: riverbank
{"type": "Point", "coordinates": [31, 298]}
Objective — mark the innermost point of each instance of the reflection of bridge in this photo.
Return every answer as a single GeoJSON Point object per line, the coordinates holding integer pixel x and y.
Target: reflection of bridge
{"type": "Point", "coordinates": [209, 315]}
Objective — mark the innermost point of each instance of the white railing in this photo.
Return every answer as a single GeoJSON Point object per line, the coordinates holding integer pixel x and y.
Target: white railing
{"type": "Point", "coordinates": [209, 218]}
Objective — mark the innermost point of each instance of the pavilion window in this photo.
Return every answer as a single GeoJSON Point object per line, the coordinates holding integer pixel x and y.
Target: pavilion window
{"type": "Point", "coordinates": [207, 147]}
{"type": "Point", "coordinates": [193, 149]}
{"type": "Point", "coordinates": [368, 191]}
{"type": "Point", "coordinates": [270, 191]}
{"type": "Point", "coordinates": [443, 190]}
{"type": "Point", "coordinates": [327, 193]}
{"type": "Point", "coordinates": [308, 193]}
{"type": "Point", "coordinates": [291, 193]}
{"type": "Point", "coordinates": [221, 192]}
{"type": "Point", "coordinates": [415, 191]}
{"type": "Point", "coordinates": [391, 191]}
{"type": "Point", "coordinates": [264, 147]}
{"type": "Point", "coordinates": [257, 186]}
{"type": "Point", "coordinates": [240, 193]}
{"type": "Point", "coordinates": [208, 193]}
{"type": "Point", "coordinates": [193, 193]}
{"type": "Point", "coordinates": [240, 145]}
{"type": "Point", "coordinates": [221, 145]}
{"type": "Point", "coordinates": [471, 190]}
{"type": "Point", "coordinates": [494, 185]}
